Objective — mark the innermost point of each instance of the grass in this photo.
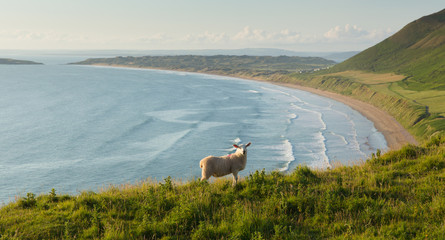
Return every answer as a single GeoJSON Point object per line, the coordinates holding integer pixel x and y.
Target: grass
{"type": "Point", "coordinates": [368, 77]}
{"type": "Point", "coordinates": [398, 195]}
{"type": "Point", "coordinates": [416, 51]}
{"type": "Point", "coordinates": [217, 63]}
{"type": "Point", "coordinates": [394, 85]}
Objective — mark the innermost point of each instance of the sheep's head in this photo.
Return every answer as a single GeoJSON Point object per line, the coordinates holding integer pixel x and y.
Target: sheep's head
{"type": "Point", "coordinates": [241, 148]}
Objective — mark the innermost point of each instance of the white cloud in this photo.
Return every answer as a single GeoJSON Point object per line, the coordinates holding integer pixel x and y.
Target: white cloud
{"type": "Point", "coordinates": [26, 36]}
{"type": "Point", "coordinates": [352, 33]}
{"type": "Point", "coordinates": [206, 37]}
{"type": "Point", "coordinates": [246, 37]}
{"type": "Point", "coordinates": [262, 36]}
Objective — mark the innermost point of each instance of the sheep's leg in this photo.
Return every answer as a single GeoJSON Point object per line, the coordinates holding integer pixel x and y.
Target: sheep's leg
{"type": "Point", "coordinates": [235, 178]}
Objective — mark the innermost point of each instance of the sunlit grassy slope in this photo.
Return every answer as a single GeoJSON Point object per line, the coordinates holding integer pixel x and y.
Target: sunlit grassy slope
{"type": "Point", "coordinates": [417, 51]}
{"type": "Point", "coordinates": [393, 84]}
{"type": "Point", "coordinates": [398, 195]}
{"type": "Point", "coordinates": [407, 67]}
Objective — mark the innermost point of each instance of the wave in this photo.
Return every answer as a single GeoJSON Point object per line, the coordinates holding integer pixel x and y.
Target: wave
{"type": "Point", "coordinates": [162, 143]}
{"type": "Point", "coordinates": [322, 156]}
{"type": "Point", "coordinates": [173, 115]}
{"type": "Point", "coordinates": [285, 93]}
{"type": "Point", "coordinates": [253, 91]}
{"type": "Point", "coordinates": [288, 153]}
{"type": "Point", "coordinates": [339, 136]}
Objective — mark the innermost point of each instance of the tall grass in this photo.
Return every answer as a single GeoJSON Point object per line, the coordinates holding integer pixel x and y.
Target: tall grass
{"type": "Point", "coordinates": [397, 195]}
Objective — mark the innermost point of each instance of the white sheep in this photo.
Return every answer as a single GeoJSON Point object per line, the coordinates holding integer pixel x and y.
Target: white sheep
{"type": "Point", "coordinates": [221, 166]}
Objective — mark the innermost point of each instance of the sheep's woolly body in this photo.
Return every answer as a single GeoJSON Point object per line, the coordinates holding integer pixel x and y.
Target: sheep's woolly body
{"type": "Point", "coordinates": [221, 166]}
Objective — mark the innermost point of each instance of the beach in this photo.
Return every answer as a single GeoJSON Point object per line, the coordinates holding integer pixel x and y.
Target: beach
{"type": "Point", "coordinates": [395, 134]}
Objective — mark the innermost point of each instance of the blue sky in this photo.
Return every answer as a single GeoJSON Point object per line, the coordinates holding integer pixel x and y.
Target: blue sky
{"type": "Point", "coordinates": [316, 25]}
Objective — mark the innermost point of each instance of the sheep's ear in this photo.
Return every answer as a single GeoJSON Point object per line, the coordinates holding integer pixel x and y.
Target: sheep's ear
{"type": "Point", "coordinates": [235, 145]}
{"type": "Point", "coordinates": [248, 144]}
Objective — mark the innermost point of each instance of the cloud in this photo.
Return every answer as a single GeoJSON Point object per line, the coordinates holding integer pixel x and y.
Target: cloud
{"type": "Point", "coordinates": [352, 33]}
{"type": "Point", "coordinates": [27, 36]}
{"type": "Point", "coordinates": [206, 37]}
{"type": "Point", "coordinates": [348, 36]}
{"type": "Point", "coordinates": [262, 36]}
{"type": "Point", "coordinates": [150, 39]}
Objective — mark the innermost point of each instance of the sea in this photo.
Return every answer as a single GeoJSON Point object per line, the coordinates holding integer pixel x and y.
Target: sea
{"type": "Point", "coordinates": [83, 128]}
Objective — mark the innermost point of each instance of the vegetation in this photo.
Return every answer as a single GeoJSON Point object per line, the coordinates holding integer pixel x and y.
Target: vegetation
{"type": "Point", "coordinates": [16, 62]}
{"type": "Point", "coordinates": [404, 75]}
{"type": "Point", "coordinates": [417, 51]}
{"type": "Point", "coordinates": [218, 63]}
{"type": "Point", "coordinates": [397, 195]}
{"type": "Point", "coordinates": [423, 121]}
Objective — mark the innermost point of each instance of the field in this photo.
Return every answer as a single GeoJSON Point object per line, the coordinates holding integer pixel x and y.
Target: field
{"type": "Point", "coordinates": [369, 78]}
{"type": "Point", "coordinates": [393, 85]}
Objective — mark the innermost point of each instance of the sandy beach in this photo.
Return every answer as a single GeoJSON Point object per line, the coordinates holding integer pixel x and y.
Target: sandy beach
{"type": "Point", "coordinates": [395, 134]}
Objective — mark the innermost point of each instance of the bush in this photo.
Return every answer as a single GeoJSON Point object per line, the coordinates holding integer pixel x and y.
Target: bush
{"type": "Point", "coordinates": [28, 202]}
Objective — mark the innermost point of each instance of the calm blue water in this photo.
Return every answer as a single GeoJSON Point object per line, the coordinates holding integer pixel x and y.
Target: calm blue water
{"type": "Point", "coordinates": [76, 128]}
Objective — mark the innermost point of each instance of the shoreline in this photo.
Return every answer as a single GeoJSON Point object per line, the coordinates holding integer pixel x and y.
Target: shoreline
{"type": "Point", "coordinates": [395, 134]}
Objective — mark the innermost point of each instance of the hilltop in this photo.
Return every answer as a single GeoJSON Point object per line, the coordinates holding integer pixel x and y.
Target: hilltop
{"type": "Point", "coordinates": [417, 51]}
{"type": "Point", "coordinates": [17, 62]}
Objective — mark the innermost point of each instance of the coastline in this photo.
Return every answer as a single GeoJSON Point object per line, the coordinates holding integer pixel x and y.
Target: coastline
{"type": "Point", "coordinates": [395, 134]}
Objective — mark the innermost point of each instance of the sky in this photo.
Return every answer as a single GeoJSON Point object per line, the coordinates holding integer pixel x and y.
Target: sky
{"type": "Point", "coordinates": [299, 25]}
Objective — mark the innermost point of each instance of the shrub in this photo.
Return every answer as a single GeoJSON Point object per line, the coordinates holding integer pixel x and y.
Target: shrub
{"type": "Point", "coordinates": [28, 202]}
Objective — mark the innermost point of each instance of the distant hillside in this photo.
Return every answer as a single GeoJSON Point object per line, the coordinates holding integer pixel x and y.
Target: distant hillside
{"type": "Point", "coordinates": [338, 56]}
{"type": "Point", "coordinates": [417, 51]}
{"type": "Point", "coordinates": [273, 52]}
{"type": "Point", "coordinates": [217, 63]}
{"type": "Point", "coordinates": [16, 62]}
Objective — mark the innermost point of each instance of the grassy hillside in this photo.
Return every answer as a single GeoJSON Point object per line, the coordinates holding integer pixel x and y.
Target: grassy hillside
{"type": "Point", "coordinates": [225, 63]}
{"type": "Point", "coordinates": [417, 51]}
{"type": "Point", "coordinates": [399, 195]}
{"type": "Point", "coordinates": [404, 75]}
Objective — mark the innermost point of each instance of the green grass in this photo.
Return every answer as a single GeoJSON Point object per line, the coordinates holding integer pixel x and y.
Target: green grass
{"type": "Point", "coordinates": [417, 51]}
{"type": "Point", "coordinates": [215, 64]}
{"type": "Point", "coordinates": [398, 195]}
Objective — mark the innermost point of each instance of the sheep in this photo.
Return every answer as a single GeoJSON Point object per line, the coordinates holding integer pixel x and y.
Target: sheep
{"type": "Point", "coordinates": [221, 166]}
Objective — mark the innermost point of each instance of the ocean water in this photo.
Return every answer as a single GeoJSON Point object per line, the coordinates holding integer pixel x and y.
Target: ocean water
{"type": "Point", "coordinates": [76, 128]}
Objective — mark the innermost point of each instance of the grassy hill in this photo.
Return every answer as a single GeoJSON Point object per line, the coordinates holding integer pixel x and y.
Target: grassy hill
{"type": "Point", "coordinates": [398, 195]}
{"type": "Point", "coordinates": [403, 75]}
{"type": "Point", "coordinates": [16, 62]}
{"type": "Point", "coordinates": [227, 64]}
{"type": "Point", "coordinates": [416, 51]}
